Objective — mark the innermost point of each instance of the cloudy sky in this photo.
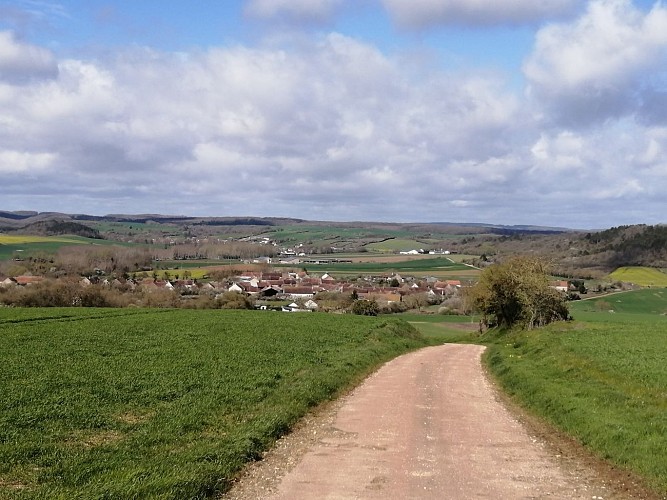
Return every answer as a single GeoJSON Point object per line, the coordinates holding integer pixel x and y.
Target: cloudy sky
{"type": "Point", "coordinates": [550, 112]}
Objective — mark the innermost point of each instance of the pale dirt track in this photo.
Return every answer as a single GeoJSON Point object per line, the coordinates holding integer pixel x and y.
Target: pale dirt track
{"type": "Point", "coordinates": [426, 425]}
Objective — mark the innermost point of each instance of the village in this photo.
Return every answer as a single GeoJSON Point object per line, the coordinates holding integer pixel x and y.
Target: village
{"type": "Point", "coordinates": [290, 291]}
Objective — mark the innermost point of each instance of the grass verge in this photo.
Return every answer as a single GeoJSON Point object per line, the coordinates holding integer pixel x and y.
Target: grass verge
{"type": "Point", "coordinates": [602, 383]}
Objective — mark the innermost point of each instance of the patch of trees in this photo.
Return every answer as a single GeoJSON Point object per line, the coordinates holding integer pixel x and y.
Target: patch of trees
{"type": "Point", "coordinates": [518, 233]}
{"type": "Point", "coordinates": [110, 260]}
{"type": "Point", "coordinates": [248, 221]}
{"type": "Point", "coordinates": [638, 245]}
{"type": "Point", "coordinates": [517, 293]}
{"type": "Point", "coordinates": [214, 251]}
{"type": "Point", "coordinates": [57, 228]}
{"type": "Point", "coordinates": [60, 293]}
{"type": "Point", "coordinates": [74, 293]}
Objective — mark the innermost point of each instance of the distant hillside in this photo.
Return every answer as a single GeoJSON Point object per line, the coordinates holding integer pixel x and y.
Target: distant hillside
{"type": "Point", "coordinates": [639, 245]}
{"type": "Point", "coordinates": [56, 228]}
{"type": "Point", "coordinates": [573, 253]}
{"type": "Point", "coordinates": [581, 254]}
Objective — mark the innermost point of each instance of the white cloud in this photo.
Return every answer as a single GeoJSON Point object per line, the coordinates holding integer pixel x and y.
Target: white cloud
{"type": "Point", "coordinates": [592, 69]}
{"type": "Point", "coordinates": [21, 162]}
{"type": "Point", "coordinates": [564, 151]}
{"type": "Point", "coordinates": [419, 14]}
{"type": "Point", "coordinates": [22, 62]}
{"type": "Point", "coordinates": [294, 10]}
{"type": "Point", "coordinates": [334, 129]}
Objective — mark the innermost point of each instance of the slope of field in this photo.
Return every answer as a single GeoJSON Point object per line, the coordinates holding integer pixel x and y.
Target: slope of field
{"type": "Point", "coordinates": [649, 302]}
{"type": "Point", "coordinates": [642, 276]}
{"type": "Point", "coordinates": [404, 266]}
{"type": "Point", "coordinates": [602, 381]}
{"type": "Point", "coordinates": [165, 404]}
{"type": "Point", "coordinates": [22, 245]}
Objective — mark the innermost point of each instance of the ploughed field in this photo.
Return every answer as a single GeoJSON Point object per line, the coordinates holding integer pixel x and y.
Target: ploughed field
{"type": "Point", "coordinates": [166, 404]}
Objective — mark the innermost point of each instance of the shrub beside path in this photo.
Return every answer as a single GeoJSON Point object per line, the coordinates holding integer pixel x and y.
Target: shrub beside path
{"type": "Point", "coordinates": [426, 425]}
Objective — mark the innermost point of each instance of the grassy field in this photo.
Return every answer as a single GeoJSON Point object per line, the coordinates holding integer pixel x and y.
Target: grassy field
{"type": "Point", "coordinates": [165, 404]}
{"type": "Point", "coordinates": [601, 380]}
{"type": "Point", "coordinates": [438, 328]}
{"type": "Point", "coordinates": [642, 276]}
{"type": "Point", "coordinates": [19, 245]}
{"type": "Point", "coordinates": [396, 244]}
{"type": "Point", "coordinates": [302, 233]}
{"type": "Point", "coordinates": [406, 266]}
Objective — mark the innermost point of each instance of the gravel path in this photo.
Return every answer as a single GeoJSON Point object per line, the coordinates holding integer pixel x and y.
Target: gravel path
{"type": "Point", "coordinates": [426, 425]}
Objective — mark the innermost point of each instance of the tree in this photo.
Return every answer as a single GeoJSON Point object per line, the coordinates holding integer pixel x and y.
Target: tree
{"type": "Point", "coordinates": [235, 300]}
{"type": "Point", "coordinates": [366, 308]}
{"type": "Point", "coordinates": [517, 293]}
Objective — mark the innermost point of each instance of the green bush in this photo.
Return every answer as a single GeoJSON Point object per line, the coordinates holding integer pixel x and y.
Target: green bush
{"type": "Point", "coordinates": [366, 308]}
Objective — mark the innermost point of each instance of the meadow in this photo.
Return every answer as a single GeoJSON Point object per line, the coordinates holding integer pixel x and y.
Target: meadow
{"type": "Point", "coordinates": [439, 329]}
{"type": "Point", "coordinates": [362, 263]}
{"type": "Point", "coordinates": [140, 403]}
{"type": "Point", "coordinates": [405, 266]}
{"type": "Point", "coordinates": [23, 245]}
{"type": "Point", "coordinates": [642, 276]}
{"type": "Point", "coordinates": [601, 378]}
{"type": "Point", "coordinates": [292, 235]}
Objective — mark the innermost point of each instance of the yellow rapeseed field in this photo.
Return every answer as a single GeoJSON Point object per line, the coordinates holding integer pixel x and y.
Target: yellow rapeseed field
{"type": "Point", "coordinates": [20, 239]}
{"type": "Point", "coordinates": [642, 276]}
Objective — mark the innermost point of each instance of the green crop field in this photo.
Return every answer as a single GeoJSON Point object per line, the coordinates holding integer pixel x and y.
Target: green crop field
{"type": "Point", "coordinates": [601, 380]}
{"type": "Point", "coordinates": [406, 266]}
{"type": "Point", "coordinates": [302, 233]}
{"type": "Point", "coordinates": [11, 246]}
{"type": "Point", "coordinates": [161, 403]}
{"type": "Point", "coordinates": [650, 302]}
{"type": "Point", "coordinates": [642, 276]}
{"type": "Point", "coordinates": [396, 245]}
{"type": "Point", "coordinates": [439, 328]}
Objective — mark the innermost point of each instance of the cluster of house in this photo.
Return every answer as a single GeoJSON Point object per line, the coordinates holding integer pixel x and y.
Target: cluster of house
{"type": "Point", "coordinates": [304, 286]}
{"type": "Point", "coordinates": [287, 285]}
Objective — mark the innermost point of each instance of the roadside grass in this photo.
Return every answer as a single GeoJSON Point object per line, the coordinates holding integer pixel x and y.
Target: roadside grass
{"type": "Point", "coordinates": [166, 404]}
{"type": "Point", "coordinates": [602, 381]}
{"type": "Point", "coordinates": [642, 276]}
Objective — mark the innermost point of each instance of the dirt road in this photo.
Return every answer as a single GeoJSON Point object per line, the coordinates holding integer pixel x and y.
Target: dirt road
{"type": "Point", "coordinates": [426, 425]}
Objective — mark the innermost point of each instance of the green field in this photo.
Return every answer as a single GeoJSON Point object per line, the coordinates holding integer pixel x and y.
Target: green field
{"type": "Point", "coordinates": [23, 246]}
{"type": "Point", "coordinates": [165, 404]}
{"type": "Point", "coordinates": [439, 328]}
{"type": "Point", "coordinates": [601, 380]}
{"type": "Point", "coordinates": [626, 306]}
{"type": "Point", "coordinates": [423, 266]}
{"type": "Point", "coordinates": [317, 234]}
{"type": "Point", "coordinates": [396, 244]}
{"type": "Point", "coordinates": [642, 276]}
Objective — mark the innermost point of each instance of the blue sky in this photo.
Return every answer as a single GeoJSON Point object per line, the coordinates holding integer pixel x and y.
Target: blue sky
{"type": "Point", "coordinates": [514, 112]}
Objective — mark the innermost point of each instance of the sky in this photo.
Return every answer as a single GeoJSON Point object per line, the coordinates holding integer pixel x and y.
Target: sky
{"type": "Point", "coordinates": [515, 112]}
